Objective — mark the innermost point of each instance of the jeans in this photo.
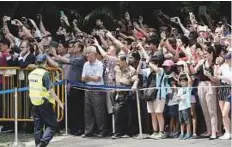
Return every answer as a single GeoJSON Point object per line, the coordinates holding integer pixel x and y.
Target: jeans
{"type": "Point", "coordinates": [45, 122]}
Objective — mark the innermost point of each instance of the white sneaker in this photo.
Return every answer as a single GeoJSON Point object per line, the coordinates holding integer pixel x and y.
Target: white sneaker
{"type": "Point", "coordinates": [153, 136]}
{"type": "Point", "coordinates": [226, 136]}
{"type": "Point", "coordinates": [160, 136]}
{"type": "Point", "coordinates": [1, 128]}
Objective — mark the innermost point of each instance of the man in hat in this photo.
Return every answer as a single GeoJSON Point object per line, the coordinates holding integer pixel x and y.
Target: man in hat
{"type": "Point", "coordinates": [43, 97]}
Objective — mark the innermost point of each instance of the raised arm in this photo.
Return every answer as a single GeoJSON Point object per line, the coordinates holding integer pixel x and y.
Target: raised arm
{"type": "Point", "coordinates": [101, 50]}
{"type": "Point", "coordinates": [138, 70]}
{"type": "Point", "coordinates": [154, 67]}
{"type": "Point", "coordinates": [60, 58]}
{"type": "Point", "coordinates": [41, 25]}
{"type": "Point", "coordinates": [141, 30]}
{"type": "Point", "coordinates": [75, 27]}
{"type": "Point", "coordinates": [37, 31]}
{"type": "Point", "coordinates": [135, 81]}
{"type": "Point", "coordinates": [117, 43]}
{"type": "Point", "coordinates": [23, 28]}
{"type": "Point", "coordinates": [5, 26]}
{"type": "Point", "coordinates": [103, 41]}
{"type": "Point", "coordinates": [185, 31]}
{"type": "Point", "coordinates": [51, 62]}
{"type": "Point", "coordinates": [189, 78]}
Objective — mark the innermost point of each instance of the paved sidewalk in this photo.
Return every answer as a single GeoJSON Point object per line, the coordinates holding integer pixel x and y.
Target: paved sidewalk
{"type": "Point", "coordinates": [73, 141]}
{"type": "Point", "coordinates": [130, 142]}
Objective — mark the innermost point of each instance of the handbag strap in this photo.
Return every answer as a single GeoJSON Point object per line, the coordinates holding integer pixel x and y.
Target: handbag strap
{"type": "Point", "coordinates": [149, 79]}
{"type": "Point", "coordinates": [162, 77]}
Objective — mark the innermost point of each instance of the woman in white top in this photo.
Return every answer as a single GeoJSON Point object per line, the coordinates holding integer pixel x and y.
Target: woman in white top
{"type": "Point", "coordinates": [225, 76]}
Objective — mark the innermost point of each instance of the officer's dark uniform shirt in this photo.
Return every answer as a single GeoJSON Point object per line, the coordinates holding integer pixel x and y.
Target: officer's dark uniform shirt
{"type": "Point", "coordinates": [47, 81]}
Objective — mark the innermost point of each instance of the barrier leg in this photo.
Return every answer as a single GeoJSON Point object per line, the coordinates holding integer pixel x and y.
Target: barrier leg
{"type": "Point", "coordinates": [113, 124]}
{"type": "Point", "coordinates": [16, 142]}
{"type": "Point", "coordinates": [66, 109]}
{"type": "Point", "coordinates": [141, 135]}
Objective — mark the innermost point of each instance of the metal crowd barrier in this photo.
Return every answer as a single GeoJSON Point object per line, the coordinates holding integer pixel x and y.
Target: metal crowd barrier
{"type": "Point", "coordinates": [16, 77]}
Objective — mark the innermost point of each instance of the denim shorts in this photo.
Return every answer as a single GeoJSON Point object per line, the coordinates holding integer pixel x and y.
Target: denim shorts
{"type": "Point", "coordinates": [185, 116]}
{"type": "Point", "coordinates": [173, 110]}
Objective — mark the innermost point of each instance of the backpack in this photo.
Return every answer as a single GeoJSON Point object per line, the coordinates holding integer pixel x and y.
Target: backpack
{"type": "Point", "coordinates": [150, 94]}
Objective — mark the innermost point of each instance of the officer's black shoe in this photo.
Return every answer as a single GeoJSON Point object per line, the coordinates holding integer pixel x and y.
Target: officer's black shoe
{"type": "Point", "coordinates": [79, 133]}
{"type": "Point", "coordinates": [42, 144]}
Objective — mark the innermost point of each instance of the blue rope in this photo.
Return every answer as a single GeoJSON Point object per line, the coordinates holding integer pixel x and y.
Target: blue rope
{"type": "Point", "coordinates": [23, 89]}
{"type": "Point", "coordinates": [77, 84]}
{"type": "Point", "coordinates": [27, 88]}
{"type": "Point", "coordinates": [84, 85]}
{"type": "Point", "coordinates": [7, 91]}
{"type": "Point", "coordinates": [59, 82]}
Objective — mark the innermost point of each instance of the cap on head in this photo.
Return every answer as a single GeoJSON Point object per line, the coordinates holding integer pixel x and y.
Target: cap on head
{"type": "Point", "coordinates": [41, 58]}
{"type": "Point", "coordinates": [168, 63]}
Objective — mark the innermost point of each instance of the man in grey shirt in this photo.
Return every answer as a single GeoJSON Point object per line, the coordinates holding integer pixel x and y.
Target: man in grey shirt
{"type": "Point", "coordinates": [95, 102]}
{"type": "Point", "coordinates": [73, 67]}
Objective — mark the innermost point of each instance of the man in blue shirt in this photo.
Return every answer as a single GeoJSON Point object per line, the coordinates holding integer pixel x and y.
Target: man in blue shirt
{"type": "Point", "coordinates": [95, 102]}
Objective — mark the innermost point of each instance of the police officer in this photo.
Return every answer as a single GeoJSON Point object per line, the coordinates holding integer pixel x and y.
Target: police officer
{"type": "Point", "coordinates": [43, 97]}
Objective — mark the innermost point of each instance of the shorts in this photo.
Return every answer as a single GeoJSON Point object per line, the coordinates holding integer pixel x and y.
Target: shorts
{"type": "Point", "coordinates": [193, 99]}
{"type": "Point", "coordinates": [156, 106]}
{"type": "Point", "coordinates": [185, 116]}
{"type": "Point", "coordinates": [224, 92]}
{"type": "Point", "coordinates": [173, 110]}
{"type": "Point", "coordinates": [229, 98]}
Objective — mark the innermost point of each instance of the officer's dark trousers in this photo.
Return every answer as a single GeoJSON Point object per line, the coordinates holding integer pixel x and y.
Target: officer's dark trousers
{"type": "Point", "coordinates": [76, 110]}
{"type": "Point", "coordinates": [121, 114]}
{"type": "Point", "coordinates": [44, 118]}
{"type": "Point", "coordinates": [95, 112]}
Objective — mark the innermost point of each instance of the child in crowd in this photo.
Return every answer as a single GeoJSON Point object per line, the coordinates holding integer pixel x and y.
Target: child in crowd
{"type": "Point", "coordinates": [173, 111]}
{"type": "Point", "coordinates": [184, 99]}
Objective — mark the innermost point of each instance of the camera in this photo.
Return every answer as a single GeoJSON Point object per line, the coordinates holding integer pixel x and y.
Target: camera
{"type": "Point", "coordinates": [8, 18]}
{"type": "Point", "coordinates": [13, 22]}
{"type": "Point", "coordinates": [202, 28]}
{"type": "Point", "coordinates": [174, 19]}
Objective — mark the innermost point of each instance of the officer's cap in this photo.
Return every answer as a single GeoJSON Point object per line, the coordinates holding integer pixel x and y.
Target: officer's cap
{"type": "Point", "coordinates": [40, 58]}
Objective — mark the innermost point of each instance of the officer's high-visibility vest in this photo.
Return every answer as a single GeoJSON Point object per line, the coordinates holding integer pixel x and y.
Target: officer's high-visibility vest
{"type": "Point", "coordinates": [36, 89]}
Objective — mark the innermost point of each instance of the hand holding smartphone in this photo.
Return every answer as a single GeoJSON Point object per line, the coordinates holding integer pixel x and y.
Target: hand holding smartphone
{"type": "Point", "coordinates": [8, 18]}
{"type": "Point", "coordinates": [61, 13]}
{"type": "Point", "coordinates": [13, 22]}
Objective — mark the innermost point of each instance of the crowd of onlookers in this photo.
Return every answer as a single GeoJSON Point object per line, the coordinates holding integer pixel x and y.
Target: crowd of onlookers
{"type": "Point", "coordinates": [184, 61]}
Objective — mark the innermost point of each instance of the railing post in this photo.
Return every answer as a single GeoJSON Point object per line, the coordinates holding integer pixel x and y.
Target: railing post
{"type": "Point", "coordinates": [66, 108]}
{"type": "Point", "coordinates": [16, 142]}
{"type": "Point", "coordinates": [16, 117]}
{"type": "Point", "coordinates": [141, 135]}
